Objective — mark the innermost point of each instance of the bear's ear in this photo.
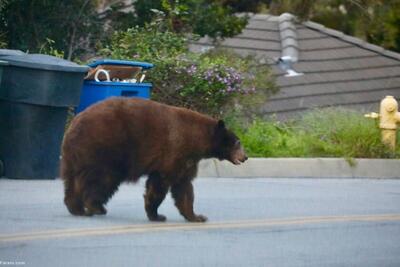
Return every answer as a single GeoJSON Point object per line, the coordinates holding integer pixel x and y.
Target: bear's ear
{"type": "Point", "coordinates": [219, 129]}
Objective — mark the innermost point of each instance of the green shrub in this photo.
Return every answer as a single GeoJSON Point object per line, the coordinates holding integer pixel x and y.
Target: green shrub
{"type": "Point", "coordinates": [332, 132]}
{"type": "Point", "coordinates": [340, 132]}
{"type": "Point", "coordinates": [202, 17]}
{"type": "Point", "coordinates": [48, 48]}
{"type": "Point", "coordinates": [211, 82]}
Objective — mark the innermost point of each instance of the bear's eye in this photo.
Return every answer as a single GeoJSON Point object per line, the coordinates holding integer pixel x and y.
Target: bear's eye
{"type": "Point", "coordinates": [237, 143]}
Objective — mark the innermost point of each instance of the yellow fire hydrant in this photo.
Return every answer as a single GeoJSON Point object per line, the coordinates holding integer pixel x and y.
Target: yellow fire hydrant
{"type": "Point", "coordinates": [389, 117]}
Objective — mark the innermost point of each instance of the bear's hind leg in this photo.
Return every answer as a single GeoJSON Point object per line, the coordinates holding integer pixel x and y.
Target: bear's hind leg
{"type": "Point", "coordinates": [94, 206]}
{"type": "Point", "coordinates": [156, 190]}
{"type": "Point", "coordinates": [184, 198]}
{"type": "Point", "coordinates": [73, 198]}
{"type": "Point", "coordinates": [97, 192]}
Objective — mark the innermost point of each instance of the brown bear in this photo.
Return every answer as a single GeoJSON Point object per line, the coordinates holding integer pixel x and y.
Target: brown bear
{"type": "Point", "coordinates": [121, 139]}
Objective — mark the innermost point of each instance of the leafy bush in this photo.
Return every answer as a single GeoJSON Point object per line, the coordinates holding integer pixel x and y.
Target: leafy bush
{"type": "Point", "coordinates": [3, 43]}
{"type": "Point", "coordinates": [74, 32]}
{"type": "Point", "coordinates": [202, 17]}
{"type": "Point", "coordinates": [48, 48]}
{"type": "Point", "coordinates": [203, 82]}
{"type": "Point", "coordinates": [332, 132]}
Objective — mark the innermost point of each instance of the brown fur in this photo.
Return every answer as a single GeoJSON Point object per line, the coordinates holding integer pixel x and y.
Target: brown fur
{"type": "Point", "coordinates": [121, 139]}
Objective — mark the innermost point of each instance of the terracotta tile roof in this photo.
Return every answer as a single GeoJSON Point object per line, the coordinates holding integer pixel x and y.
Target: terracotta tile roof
{"type": "Point", "coordinates": [338, 70]}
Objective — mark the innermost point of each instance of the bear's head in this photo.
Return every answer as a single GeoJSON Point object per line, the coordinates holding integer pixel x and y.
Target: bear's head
{"type": "Point", "coordinates": [227, 145]}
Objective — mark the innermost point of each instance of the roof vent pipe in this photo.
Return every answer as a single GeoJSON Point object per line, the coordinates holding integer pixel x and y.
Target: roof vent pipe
{"type": "Point", "coordinates": [290, 47]}
{"type": "Point", "coordinates": [288, 33]}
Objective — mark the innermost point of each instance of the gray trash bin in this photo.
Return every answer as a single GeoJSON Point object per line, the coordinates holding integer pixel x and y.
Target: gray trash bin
{"type": "Point", "coordinates": [2, 64]}
{"type": "Point", "coordinates": [35, 94]}
{"type": "Point", "coordinates": [10, 52]}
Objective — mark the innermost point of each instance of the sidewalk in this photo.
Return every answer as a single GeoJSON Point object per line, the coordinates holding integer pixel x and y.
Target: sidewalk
{"type": "Point", "coordinates": [302, 168]}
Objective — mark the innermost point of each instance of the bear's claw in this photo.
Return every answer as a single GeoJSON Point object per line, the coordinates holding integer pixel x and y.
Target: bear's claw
{"type": "Point", "coordinates": [198, 218]}
{"type": "Point", "coordinates": [95, 211]}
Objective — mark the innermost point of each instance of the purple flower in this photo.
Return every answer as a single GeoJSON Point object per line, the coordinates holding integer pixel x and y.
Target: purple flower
{"type": "Point", "coordinates": [192, 69]}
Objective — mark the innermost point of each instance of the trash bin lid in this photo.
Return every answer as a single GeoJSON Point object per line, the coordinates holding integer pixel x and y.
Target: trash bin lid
{"type": "Point", "coordinates": [45, 62]}
{"type": "Point", "coordinates": [144, 65]}
{"type": "Point", "coordinates": [10, 52]}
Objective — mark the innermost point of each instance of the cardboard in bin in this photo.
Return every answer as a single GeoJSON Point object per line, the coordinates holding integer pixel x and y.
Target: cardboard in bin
{"type": "Point", "coordinates": [120, 70]}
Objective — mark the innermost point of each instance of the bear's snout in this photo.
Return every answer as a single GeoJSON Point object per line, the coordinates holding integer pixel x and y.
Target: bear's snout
{"type": "Point", "coordinates": [239, 156]}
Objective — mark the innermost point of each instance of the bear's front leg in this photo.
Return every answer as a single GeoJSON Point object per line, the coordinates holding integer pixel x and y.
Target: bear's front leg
{"type": "Point", "coordinates": [184, 197]}
{"type": "Point", "coordinates": [156, 190]}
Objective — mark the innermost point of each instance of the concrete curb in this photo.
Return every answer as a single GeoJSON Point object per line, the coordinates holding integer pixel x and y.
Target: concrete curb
{"type": "Point", "coordinates": [302, 168]}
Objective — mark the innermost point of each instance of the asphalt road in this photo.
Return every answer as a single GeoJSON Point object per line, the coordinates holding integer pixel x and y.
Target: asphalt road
{"type": "Point", "coordinates": [252, 222]}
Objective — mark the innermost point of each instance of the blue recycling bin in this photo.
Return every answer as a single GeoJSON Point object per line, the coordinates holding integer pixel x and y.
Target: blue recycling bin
{"type": "Point", "coordinates": [94, 91]}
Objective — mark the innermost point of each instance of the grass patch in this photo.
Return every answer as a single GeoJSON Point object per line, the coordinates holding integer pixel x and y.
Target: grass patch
{"type": "Point", "coordinates": [332, 132]}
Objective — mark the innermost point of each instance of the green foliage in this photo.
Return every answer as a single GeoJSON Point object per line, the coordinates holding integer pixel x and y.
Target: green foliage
{"type": "Point", "coordinates": [217, 21]}
{"type": "Point", "coordinates": [48, 49]}
{"type": "Point", "coordinates": [254, 6]}
{"type": "Point", "coordinates": [376, 21]}
{"type": "Point", "coordinates": [203, 82]}
{"type": "Point", "coordinates": [202, 17]}
{"type": "Point", "coordinates": [3, 43]}
{"type": "Point", "coordinates": [209, 82]}
{"type": "Point", "coordinates": [302, 8]}
{"type": "Point", "coordinates": [321, 133]}
{"type": "Point", "coordinates": [155, 45]}
{"type": "Point", "coordinates": [72, 25]}
{"type": "Point", "coordinates": [83, 24]}
{"type": "Point", "coordinates": [3, 37]}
